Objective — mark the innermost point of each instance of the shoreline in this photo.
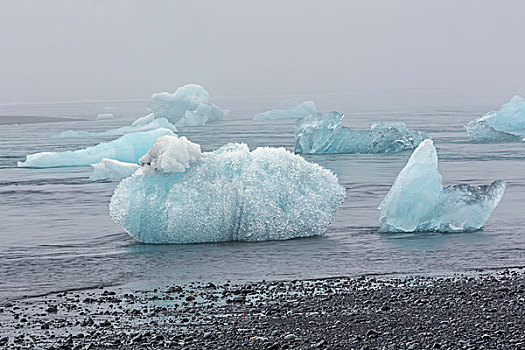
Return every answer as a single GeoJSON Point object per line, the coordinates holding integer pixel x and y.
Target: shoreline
{"type": "Point", "coordinates": [466, 311]}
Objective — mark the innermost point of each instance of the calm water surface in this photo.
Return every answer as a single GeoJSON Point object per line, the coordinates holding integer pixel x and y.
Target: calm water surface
{"type": "Point", "coordinates": [56, 232]}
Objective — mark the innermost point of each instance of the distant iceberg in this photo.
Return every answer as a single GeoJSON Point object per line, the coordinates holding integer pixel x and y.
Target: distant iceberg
{"type": "Point", "coordinates": [111, 169]}
{"type": "Point", "coordinates": [105, 116]}
{"type": "Point", "coordinates": [231, 194]}
{"type": "Point", "coordinates": [504, 125]}
{"type": "Point", "coordinates": [189, 105]}
{"type": "Point", "coordinates": [146, 123]}
{"type": "Point", "coordinates": [297, 112]}
{"type": "Point", "coordinates": [128, 148]}
{"type": "Point", "coordinates": [418, 202]}
{"type": "Point", "coordinates": [322, 133]}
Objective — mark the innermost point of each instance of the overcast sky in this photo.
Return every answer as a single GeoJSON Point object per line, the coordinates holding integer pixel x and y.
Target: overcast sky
{"type": "Point", "coordinates": [108, 49]}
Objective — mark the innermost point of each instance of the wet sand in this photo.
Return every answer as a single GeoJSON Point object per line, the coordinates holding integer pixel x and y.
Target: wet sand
{"type": "Point", "coordinates": [480, 311]}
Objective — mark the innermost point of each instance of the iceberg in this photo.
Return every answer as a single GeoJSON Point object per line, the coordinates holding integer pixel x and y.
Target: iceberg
{"type": "Point", "coordinates": [147, 119]}
{"type": "Point", "coordinates": [297, 112]}
{"type": "Point", "coordinates": [322, 133]}
{"type": "Point", "coordinates": [231, 194]}
{"type": "Point", "coordinates": [127, 148]}
{"type": "Point", "coordinates": [504, 125]}
{"type": "Point", "coordinates": [142, 124]}
{"type": "Point", "coordinates": [111, 169]}
{"type": "Point", "coordinates": [104, 116]}
{"type": "Point", "coordinates": [189, 105]}
{"type": "Point", "coordinates": [418, 201]}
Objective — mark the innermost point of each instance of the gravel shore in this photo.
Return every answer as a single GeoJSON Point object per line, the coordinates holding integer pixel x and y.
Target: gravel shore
{"type": "Point", "coordinates": [480, 311]}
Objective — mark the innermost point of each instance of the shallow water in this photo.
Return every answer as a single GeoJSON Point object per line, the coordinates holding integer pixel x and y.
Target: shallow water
{"type": "Point", "coordinates": [57, 233]}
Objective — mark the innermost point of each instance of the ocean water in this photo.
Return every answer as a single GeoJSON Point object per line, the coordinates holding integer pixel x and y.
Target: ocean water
{"type": "Point", "coordinates": [56, 232]}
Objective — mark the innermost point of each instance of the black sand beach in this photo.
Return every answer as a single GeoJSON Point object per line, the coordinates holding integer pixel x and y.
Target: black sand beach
{"type": "Point", "coordinates": [479, 311]}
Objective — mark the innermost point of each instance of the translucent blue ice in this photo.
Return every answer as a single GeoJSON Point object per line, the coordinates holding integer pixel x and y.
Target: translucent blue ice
{"type": "Point", "coordinates": [418, 202]}
{"type": "Point", "coordinates": [504, 125]}
{"type": "Point", "coordinates": [128, 148]}
{"type": "Point", "coordinates": [297, 112]}
{"type": "Point", "coordinates": [111, 169]}
{"type": "Point", "coordinates": [144, 124]}
{"type": "Point", "coordinates": [322, 133]}
{"type": "Point", "coordinates": [230, 194]}
{"type": "Point", "coordinates": [189, 105]}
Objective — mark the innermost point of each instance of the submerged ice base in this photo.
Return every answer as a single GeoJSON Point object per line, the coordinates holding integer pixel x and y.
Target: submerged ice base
{"type": "Point", "coordinates": [322, 133]}
{"type": "Point", "coordinates": [128, 148]}
{"type": "Point", "coordinates": [230, 194]}
{"type": "Point", "coordinates": [504, 125]}
{"type": "Point", "coordinates": [417, 200]}
{"type": "Point", "coordinates": [189, 105]}
{"type": "Point", "coordinates": [296, 112]}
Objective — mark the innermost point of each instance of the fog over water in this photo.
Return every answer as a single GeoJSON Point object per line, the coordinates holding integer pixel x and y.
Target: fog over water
{"type": "Point", "coordinates": [459, 51]}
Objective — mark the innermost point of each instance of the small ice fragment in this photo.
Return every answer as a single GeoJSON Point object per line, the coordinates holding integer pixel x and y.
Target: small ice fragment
{"type": "Point", "coordinates": [104, 116]}
{"type": "Point", "coordinates": [296, 112]}
{"type": "Point", "coordinates": [111, 169]}
{"type": "Point", "coordinates": [141, 124]}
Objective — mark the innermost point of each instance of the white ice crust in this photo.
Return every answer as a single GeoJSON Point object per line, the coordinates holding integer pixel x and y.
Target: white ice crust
{"type": "Point", "coordinates": [171, 154]}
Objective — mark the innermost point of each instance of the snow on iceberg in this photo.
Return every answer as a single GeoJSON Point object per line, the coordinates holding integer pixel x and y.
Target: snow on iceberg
{"type": "Point", "coordinates": [504, 125]}
{"type": "Point", "coordinates": [141, 124]}
{"type": "Point", "coordinates": [170, 154]}
{"type": "Point", "coordinates": [322, 133]}
{"type": "Point", "coordinates": [189, 105]}
{"type": "Point", "coordinates": [111, 169]}
{"type": "Point", "coordinates": [105, 116]}
{"type": "Point", "coordinates": [417, 200]}
{"type": "Point", "coordinates": [128, 148]}
{"type": "Point", "coordinates": [297, 112]}
{"type": "Point", "coordinates": [230, 194]}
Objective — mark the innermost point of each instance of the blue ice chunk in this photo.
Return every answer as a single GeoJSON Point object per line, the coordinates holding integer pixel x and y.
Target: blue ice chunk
{"type": "Point", "coordinates": [296, 112]}
{"type": "Point", "coordinates": [128, 148]}
{"type": "Point", "coordinates": [322, 133]}
{"type": "Point", "coordinates": [111, 169]}
{"type": "Point", "coordinates": [418, 201]}
{"type": "Point", "coordinates": [230, 194]}
{"type": "Point", "coordinates": [504, 125]}
{"type": "Point", "coordinates": [189, 105]}
{"type": "Point", "coordinates": [142, 124]}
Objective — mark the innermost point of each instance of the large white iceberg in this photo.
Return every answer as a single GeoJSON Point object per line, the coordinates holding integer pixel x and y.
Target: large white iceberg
{"type": "Point", "coordinates": [230, 194]}
{"type": "Point", "coordinates": [128, 148]}
{"type": "Point", "coordinates": [296, 112]}
{"type": "Point", "coordinates": [322, 133]}
{"type": "Point", "coordinates": [189, 105]}
{"type": "Point", "coordinates": [504, 125]}
{"type": "Point", "coordinates": [142, 124]}
{"type": "Point", "coordinates": [111, 169]}
{"type": "Point", "coordinates": [418, 201]}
